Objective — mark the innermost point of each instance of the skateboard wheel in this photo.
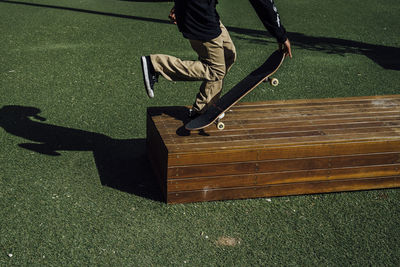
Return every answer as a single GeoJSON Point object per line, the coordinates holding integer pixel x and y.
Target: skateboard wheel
{"type": "Point", "coordinates": [220, 126]}
{"type": "Point", "coordinates": [274, 82]}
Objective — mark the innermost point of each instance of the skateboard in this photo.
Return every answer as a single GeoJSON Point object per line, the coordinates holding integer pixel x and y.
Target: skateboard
{"type": "Point", "coordinates": [216, 112]}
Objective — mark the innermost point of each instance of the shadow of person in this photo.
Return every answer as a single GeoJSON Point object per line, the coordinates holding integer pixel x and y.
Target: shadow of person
{"type": "Point", "coordinates": [388, 57]}
{"type": "Point", "coordinates": [121, 164]}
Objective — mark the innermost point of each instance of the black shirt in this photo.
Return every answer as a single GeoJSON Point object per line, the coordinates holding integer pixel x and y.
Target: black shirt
{"type": "Point", "coordinates": [197, 19]}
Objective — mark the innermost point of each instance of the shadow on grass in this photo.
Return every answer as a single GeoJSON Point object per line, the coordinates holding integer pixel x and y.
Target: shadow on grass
{"type": "Point", "coordinates": [386, 56]}
{"type": "Point", "coordinates": [121, 164]}
{"type": "Point", "coordinates": [147, 0]}
{"type": "Point", "coordinates": [87, 11]}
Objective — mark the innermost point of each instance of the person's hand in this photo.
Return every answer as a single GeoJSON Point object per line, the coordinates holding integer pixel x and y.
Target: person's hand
{"type": "Point", "coordinates": [172, 16]}
{"type": "Point", "coordinates": [286, 48]}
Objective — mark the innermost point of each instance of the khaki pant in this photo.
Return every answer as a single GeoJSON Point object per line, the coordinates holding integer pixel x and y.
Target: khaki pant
{"type": "Point", "coordinates": [215, 59]}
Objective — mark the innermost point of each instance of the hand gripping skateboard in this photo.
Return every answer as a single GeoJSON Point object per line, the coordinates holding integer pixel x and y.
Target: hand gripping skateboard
{"type": "Point", "coordinates": [216, 112]}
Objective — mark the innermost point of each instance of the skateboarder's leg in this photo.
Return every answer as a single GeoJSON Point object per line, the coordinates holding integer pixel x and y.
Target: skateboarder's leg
{"type": "Point", "coordinates": [210, 91]}
{"type": "Point", "coordinates": [175, 69]}
{"type": "Point", "coordinates": [208, 94]}
{"type": "Point", "coordinates": [229, 49]}
{"type": "Point", "coordinates": [210, 65]}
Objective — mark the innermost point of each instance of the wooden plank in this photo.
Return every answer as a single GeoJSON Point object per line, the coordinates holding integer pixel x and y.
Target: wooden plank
{"type": "Point", "coordinates": [175, 113]}
{"type": "Point", "coordinates": [283, 141]}
{"type": "Point", "coordinates": [268, 116]}
{"type": "Point", "coordinates": [261, 112]}
{"type": "Point", "coordinates": [284, 177]}
{"type": "Point", "coordinates": [171, 136]}
{"type": "Point", "coordinates": [288, 107]}
{"type": "Point", "coordinates": [257, 125]}
{"type": "Point", "coordinates": [284, 189]}
{"type": "Point", "coordinates": [343, 100]}
{"type": "Point", "coordinates": [286, 152]}
{"type": "Point", "coordinates": [290, 131]}
{"type": "Point", "coordinates": [277, 148]}
{"type": "Point", "coordinates": [297, 164]}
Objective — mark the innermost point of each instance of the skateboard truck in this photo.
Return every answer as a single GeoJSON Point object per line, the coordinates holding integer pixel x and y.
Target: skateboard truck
{"type": "Point", "coordinates": [272, 81]}
{"type": "Point", "coordinates": [219, 123]}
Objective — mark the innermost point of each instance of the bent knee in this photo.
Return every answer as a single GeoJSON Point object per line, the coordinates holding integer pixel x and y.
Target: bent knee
{"type": "Point", "coordinates": [219, 72]}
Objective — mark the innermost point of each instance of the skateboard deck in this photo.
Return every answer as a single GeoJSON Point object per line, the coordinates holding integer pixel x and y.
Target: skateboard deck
{"type": "Point", "coordinates": [240, 90]}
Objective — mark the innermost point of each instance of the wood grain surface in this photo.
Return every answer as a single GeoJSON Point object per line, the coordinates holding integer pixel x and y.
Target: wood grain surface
{"type": "Point", "coordinates": [278, 148]}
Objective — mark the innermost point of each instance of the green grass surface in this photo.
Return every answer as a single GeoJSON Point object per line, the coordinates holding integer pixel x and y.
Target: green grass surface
{"type": "Point", "coordinates": [90, 198]}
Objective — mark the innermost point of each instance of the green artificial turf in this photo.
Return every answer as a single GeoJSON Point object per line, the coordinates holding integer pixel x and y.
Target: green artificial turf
{"type": "Point", "coordinates": [75, 186]}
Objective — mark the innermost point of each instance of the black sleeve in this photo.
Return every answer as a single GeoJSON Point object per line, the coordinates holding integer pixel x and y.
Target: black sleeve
{"type": "Point", "coordinates": [268, 13]}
